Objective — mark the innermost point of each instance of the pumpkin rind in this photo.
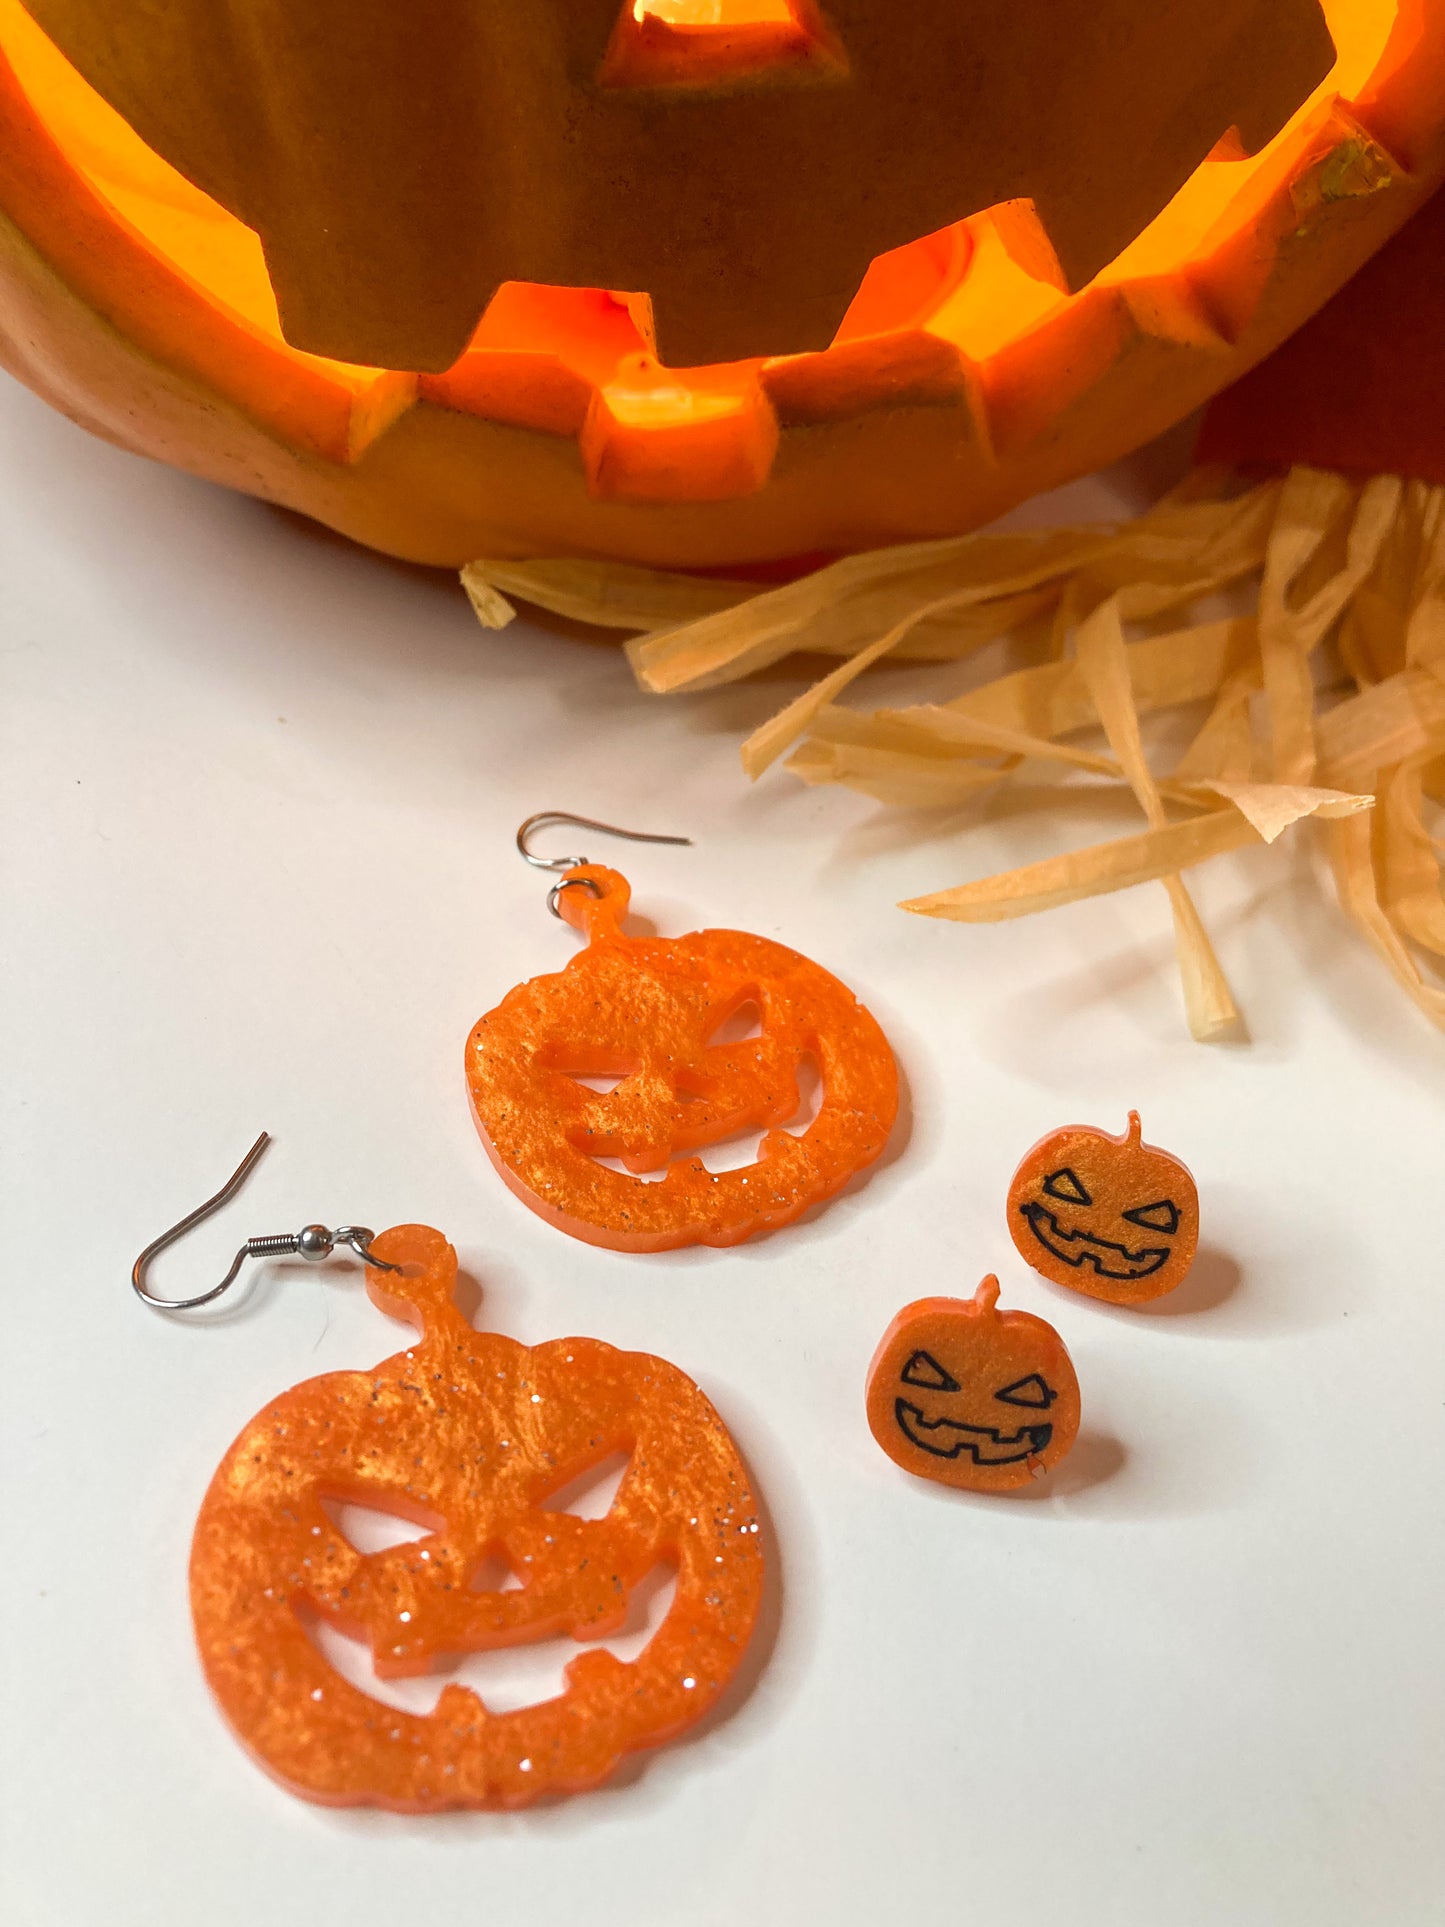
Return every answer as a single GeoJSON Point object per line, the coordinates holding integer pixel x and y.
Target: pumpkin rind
{"type": "Point", "coordinates": [905, 434]}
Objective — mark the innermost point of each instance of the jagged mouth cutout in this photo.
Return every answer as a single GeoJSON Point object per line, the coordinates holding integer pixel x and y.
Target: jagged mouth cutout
{"type": "Point", "coordinates": [531, 1667]}
{"type": "Point", "coordinates": [979, 308]}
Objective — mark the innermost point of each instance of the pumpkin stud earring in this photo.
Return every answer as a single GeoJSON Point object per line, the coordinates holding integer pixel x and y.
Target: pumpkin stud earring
{"type": "Point", "coordinates": [1112, 1217]}
{"type": "Point", "coordinates": [650, 1016]}
{"type": "Point", "coordinates": [970, 1396]}
{"type": "Point", "coordinates": [473, 1439]}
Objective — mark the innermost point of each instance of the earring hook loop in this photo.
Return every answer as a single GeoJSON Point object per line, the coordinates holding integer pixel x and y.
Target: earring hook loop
{"type": "Point", "coordinates": [545, 819]}
{"type": "Point", "coordinates": [312, 1242]}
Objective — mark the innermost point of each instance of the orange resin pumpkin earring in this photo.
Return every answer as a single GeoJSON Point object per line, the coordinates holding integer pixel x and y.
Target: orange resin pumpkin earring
{"type": "Point", "coordinates": [971, 1396]}
{"type": "Point", "coordinates": [1109, 1216]}
{"type": "Point", "coordinates": [472, 1438]}
{"type": "Point", "coordinates": [650, 1015]}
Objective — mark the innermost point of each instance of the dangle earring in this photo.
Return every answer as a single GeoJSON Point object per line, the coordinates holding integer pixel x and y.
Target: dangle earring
{"type": "Point", "coordinates": [649, 1016]}
{"type": "Point", "coordinates": [474, 1440]}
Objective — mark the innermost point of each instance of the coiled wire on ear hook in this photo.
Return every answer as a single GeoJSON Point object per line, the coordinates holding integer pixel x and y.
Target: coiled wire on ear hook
{"type": "Point", "coordinates": [312, 1242]}
{"type": "Point", "coordinates": [544, 819]}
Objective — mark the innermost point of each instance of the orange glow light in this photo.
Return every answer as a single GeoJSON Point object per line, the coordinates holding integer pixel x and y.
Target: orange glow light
{"type": "Point", "coordinates": [960, 285]}
{"type": "Point", "coordinates": [714, 13]}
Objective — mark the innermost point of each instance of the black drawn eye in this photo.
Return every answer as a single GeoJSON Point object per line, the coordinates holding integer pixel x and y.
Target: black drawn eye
{"type": "Point", "coordinates": [924, 1369]}
{"type": "Point", "coordinates": [1028, 1391]}
{"type": "Point", "coordinates": [1066, 1186]}
{"type": "Point", "coordinates": [1162, 1216]}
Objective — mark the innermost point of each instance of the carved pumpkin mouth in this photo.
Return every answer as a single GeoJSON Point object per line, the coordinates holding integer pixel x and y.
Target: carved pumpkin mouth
{"type": "Point", "coordinates": [1081, 1248]}
{"type": "Point", "coordinates": [576, 360]}
{"type": "Point", "coordinates": [948, 1438]}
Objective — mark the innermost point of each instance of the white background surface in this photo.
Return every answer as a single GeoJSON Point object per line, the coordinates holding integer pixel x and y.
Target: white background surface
{"type": "Point", "coordinates": [260, 789]}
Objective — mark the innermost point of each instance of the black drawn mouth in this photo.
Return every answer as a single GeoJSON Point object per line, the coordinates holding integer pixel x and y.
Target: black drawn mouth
{"type": "Point", "coordinates": [1078, 1248]}
{"type": "Point", "coordinates": [948, 1438]}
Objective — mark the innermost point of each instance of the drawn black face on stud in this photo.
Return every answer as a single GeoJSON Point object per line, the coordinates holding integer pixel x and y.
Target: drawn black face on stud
{"type": "Point", "coordinates": [948, 1437]}
{"type": "Point", "coordinates": [1110, 1257]}
{"type": "Point", "coordinates": [1067, 1187]}
{"type": "Point", "coordinates": [1075, 1245]}
{"type": "Point", "coordinates": [1027, 1391]}
{"type": "Point", "coordinates": [1112, 1217]}
{"type": "Point", "coordinates": [1163, 1216]}
{"type": "Point", "coordinates": [924, 1370]}
{"type": "Point", "coordinates": [972, 1397]}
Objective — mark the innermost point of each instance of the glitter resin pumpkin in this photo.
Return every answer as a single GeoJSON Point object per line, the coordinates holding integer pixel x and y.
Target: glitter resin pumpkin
{"type": "Point", "coordinates": [1112, 1217]}
{"type": "Point", "coordinates": [470, 1435]}
{"type": "Point", "coordinates": [691, 282]}
{"type": "Point", "coordinates": [649, 1017]}
{"type": "Point", "coordinates": [971, 1396]}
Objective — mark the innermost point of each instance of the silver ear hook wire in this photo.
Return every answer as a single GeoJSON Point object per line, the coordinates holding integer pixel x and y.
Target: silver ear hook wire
{"type": "Point", "coordinates": [312, 1242]}
{"type": "Point", "coordinates": [545, 819]}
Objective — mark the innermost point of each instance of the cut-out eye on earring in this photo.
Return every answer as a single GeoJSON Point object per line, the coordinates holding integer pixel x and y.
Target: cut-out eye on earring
{"type": "Point", "coordinates": [370, 1529]}
{"type": "Point", "coordinates": [1066, 1186]}
{"type": "Point", "coordinates": [1163, 1216]}
{"type": "Point", "coordinates": [1028, 1391]}
{"type": "Point", "coordinates": [923, 1369]}
{"type": "Point", "coordinates": [591, 1492]}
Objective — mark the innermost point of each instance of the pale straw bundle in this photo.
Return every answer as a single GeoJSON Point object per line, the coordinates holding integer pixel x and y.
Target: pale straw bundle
{"type": "Point", "coordinates": [1360, 748]}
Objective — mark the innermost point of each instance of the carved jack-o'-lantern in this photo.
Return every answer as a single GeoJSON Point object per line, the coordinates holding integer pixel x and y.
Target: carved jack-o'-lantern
{"type": "Point", "coordinates": [1109, 1216]}
{"type": "Point", "coordinates": [483, 277]}
{"type": "Point", "coordinates": [740, 174]}
{"type": "Point", "coordinates": [470, 1435]}
{"type": "Point", "coordinates": [971, 1396]}
{"type": "Point", "coordinates": [645, 1016]}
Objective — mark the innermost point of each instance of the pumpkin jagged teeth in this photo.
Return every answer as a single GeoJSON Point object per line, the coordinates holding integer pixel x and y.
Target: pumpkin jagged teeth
{"type": "Point", "coordinates": [1090, 1249]}
{"type": "Point", "coordinates": [949, 1438]}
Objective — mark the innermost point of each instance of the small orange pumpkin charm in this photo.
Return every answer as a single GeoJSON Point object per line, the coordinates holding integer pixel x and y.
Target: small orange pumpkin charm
{"type": "Point", "coordinates": [972, 1396]}
{"type": "Point", "coordinates": [1112, 1217]}
{"type": "Point", "coordinates": [470, 1435]}
{"type": "Point", "coordinates": [646, 1012]}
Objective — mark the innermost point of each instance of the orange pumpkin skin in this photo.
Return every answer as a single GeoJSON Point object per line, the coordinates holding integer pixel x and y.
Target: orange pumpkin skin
{"type": "Point", "coordinates": [469, 1432]}
{"type": "Point", "coordinates": [557, 436]}
{"type": "Point", "coordinates": [643, 1010]}
{"type": "Point", "coordinates": [973, 1397]}
{"type": "Point", "coordinates": [1112, 1217]}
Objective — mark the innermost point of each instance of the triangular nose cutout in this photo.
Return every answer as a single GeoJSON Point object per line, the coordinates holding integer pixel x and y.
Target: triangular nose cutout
{"type": "Point", "coordinates": [708, 43]}
{"type": "Point", "coordinates": [716, 13]}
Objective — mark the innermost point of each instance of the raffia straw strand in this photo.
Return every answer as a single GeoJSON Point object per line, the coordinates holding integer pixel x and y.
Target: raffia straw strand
{"type": "Point", "coordinates": [1356, 565]}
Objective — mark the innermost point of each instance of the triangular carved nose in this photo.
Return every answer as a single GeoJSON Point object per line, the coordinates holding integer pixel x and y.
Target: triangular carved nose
{"type": "Point", "coordinates": [716, 13]}
{"type": "Point", "coordinates": [708, 43]}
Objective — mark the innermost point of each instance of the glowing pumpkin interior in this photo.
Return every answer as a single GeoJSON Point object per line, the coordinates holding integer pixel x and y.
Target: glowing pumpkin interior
{"type": "Point", "coordinates": [959, 285]}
